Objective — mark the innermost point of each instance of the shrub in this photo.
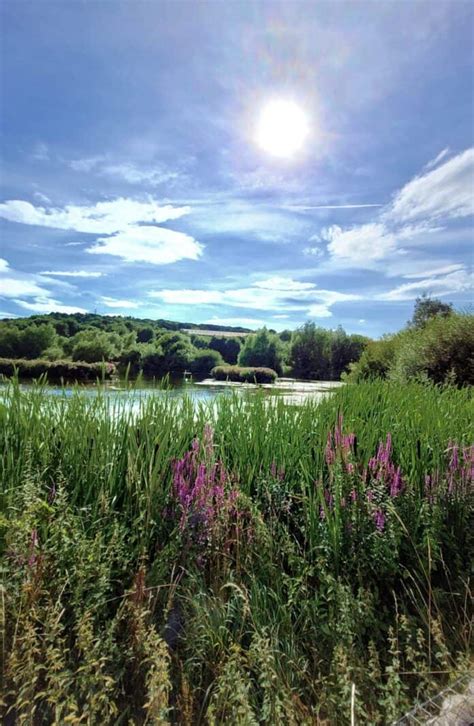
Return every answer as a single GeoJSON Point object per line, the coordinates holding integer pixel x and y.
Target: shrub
{"type": "Point", "coordinates": [376, 360]}
{"type": "Point", "coordinates": [442, 351]}
{"type": "Point", "coordinates": [244, 375]}
{"type": "Point", "coordinates": [57, 370]}
{"type": "Point", "coordinates": [204, 361]}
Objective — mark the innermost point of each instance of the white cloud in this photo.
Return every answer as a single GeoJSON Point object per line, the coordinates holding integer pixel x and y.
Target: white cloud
{"type": "Point", "coordinates": [156, 245]}
{"type": "Point", "coordinates": [313, 251]}
{"type": "Point", "coordinates": [434, 162]}
{"type": "Point", "coordinates": [450, 284]}
{"type": "Point", "coordinates": [366, 242]}
{"type": "Point", "coordinates": [279, 294]}
{"type": "Point", "coordinates": [319, 311]}
{"type": "Point", "coordinates": [111, 302]}
{"type": "Point", "coordinates": [71, 273]}
{"type": "Point", "coordinates": [446, 192]}
{"type": "Point", "coordinates": [49, 305]}
{"type": "Point", "coordinates": [283, 283]}
{"type": "Point", "coordinates": [103, 217]}
{"type": "Point", "coordinates": [4, 266]}
{"type": "Point", "coordinates": [441, 193]}
{"type": "Point", "coordinates": [430, 273]}
{"type": "Point", "coordinates": [20, 287]}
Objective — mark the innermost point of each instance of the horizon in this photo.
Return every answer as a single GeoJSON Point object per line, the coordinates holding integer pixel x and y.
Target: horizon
{"type": "Point", "coordinates": [243, 165]}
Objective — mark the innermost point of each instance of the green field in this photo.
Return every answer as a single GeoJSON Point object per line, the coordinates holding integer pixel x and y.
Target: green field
{"type": "Point", "coordinates": [240, 562]}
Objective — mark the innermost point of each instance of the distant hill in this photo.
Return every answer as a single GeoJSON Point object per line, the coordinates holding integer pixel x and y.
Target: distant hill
{"type": "Point", "coordinates": [106, 322]}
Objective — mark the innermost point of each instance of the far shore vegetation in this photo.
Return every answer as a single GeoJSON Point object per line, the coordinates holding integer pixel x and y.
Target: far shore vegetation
{"type": "Point", "coordinates": [434, 345]}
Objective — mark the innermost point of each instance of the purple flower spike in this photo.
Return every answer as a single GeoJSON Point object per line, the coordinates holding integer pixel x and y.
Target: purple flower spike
{"type": "Point", "coordinates": [379, 519]}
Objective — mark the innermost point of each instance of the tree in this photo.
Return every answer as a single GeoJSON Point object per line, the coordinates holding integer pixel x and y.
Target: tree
{"type": "Point", "coordinates": [204, 361]}
{"type": "Point", "coordinates": [343, 350]}
{"type": "Point", "coordinates": [9, 341]}
{"type": "Point", "coordinates": [145, 335]}
{"type": "Point", "coordinates": [264, 349]}
{"type": "Point", "coordinates": [92, 346]}
{"type": "Point", "coordinates": [310, 353]}
{"type": "Point", "coordinates": [426, 308]}
{"type": "Point", "coordinates": [228, 347]}
{"type": "Point", "coordinates": [35, 339]}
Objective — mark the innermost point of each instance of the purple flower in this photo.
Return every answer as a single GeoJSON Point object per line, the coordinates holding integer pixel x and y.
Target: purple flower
{"type": "Point", "coordinates": [379, 519]}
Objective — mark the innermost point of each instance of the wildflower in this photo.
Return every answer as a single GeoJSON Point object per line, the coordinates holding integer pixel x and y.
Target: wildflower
{"type": "Point", "coordinates": [379, 519]}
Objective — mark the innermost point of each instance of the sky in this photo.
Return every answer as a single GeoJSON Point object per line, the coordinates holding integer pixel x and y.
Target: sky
{"type": "Point", "coordinates": [134, 178]}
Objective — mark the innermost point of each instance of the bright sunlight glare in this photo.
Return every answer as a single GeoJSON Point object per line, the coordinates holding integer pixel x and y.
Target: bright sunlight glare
{"type": "Point", "coordinates": [282, 128]}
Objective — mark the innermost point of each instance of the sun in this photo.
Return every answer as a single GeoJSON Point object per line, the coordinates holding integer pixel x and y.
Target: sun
{"type": "Point", "coordinates": [282, 128]}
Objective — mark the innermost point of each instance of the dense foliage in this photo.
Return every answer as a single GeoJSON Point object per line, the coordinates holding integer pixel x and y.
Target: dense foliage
{"type": "Point", "coordinates": [241, 563]}
{"type": "Point", "coordinates": [320, 354]}
{"type": "Point", "coordinates": [263, 349]}
{"type": "Point", "coordinates": [441, 350]}
{"type": "Point", "coordinates": [58, 370]}
{"type": "Point", "coordinates": [143, 346]}
{"type": "Point", "coordinates": [244, 374]}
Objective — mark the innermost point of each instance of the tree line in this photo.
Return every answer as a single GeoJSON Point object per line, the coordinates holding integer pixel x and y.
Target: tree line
{"type": "Point", "coordinates": [144, 346]}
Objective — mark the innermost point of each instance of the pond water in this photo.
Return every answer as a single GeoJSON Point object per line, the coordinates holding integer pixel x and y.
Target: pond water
{"type": "Point", "coordinates": [203, 391]}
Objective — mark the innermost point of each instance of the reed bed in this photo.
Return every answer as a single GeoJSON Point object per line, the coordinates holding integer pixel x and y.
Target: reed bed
{"type": "Point", "coordinates": [240, 562]}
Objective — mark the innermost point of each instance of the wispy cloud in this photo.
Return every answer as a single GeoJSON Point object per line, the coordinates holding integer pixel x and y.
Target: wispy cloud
{"type": "Point", "coordinates": [450, 284]}
{"type": "Point", "coordinates": [126, 171]}
{"type": "Point", "coordinates": [103, 217]}
{"type": "Point", "coordinates": [434, 162]}
{"type": "Point", "coordinates": [309, 207]}
{"type": "Point", "coordinates": [440, 194]}
{"type": "Point", "coordinates": [270, 294]}
{"type": "Point", "coordinates": [111, 302]}
{"type": "Point", "coordinates": [436, 271]}
{"type": "Point", "coordinates": [49, 305]}
{"type": "Point", "coordinates": [71, 273]}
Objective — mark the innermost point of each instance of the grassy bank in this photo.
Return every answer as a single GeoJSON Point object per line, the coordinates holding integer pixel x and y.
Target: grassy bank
{"type": "Point", "coordinates": [239, 563]}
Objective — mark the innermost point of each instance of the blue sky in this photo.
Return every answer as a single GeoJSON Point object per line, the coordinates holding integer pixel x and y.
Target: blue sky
{"type": "Point", "coordinates": [132, 182]}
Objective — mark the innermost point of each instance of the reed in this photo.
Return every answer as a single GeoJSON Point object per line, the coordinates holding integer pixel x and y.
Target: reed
{"type": "Point", "coordinates": [243, 561]}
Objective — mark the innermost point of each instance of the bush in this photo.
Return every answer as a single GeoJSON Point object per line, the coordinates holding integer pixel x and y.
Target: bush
{"type": "Point", "coordinates": [442, 351]}
{"type": "Point", "coordinates": [244, 375]}
{"type": "Point", "coordinates": [376, 360]}
{"type": "Point", "coordinates": [204, 361]}
{"type": "Point", "coordinates": [57, 370]}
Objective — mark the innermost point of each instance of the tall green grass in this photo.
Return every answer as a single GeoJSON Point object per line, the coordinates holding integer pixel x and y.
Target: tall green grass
{"type": "Point", "coordinates": [117, 613]}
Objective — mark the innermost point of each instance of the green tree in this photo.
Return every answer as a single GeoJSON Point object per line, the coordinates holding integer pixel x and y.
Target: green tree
{"type": "Point", "coordinates": [228, 347]}
{"type": "Point", "coordinates": [92, 346]}
{"type": "Point", "coordinates": [310, 353]}
{"type": "Point", "coordinates": [145, 335]}
{"type": "Point", "coordinates": [9, 341]}
{"type": "Point", "coordinates": [263, 349]}
{"type": "Point", "coordinates": [35, 339]}
{"type": "Point", "coordinates": [426, 308]}
{"type": "Point", "coordinates": [204, 361]}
